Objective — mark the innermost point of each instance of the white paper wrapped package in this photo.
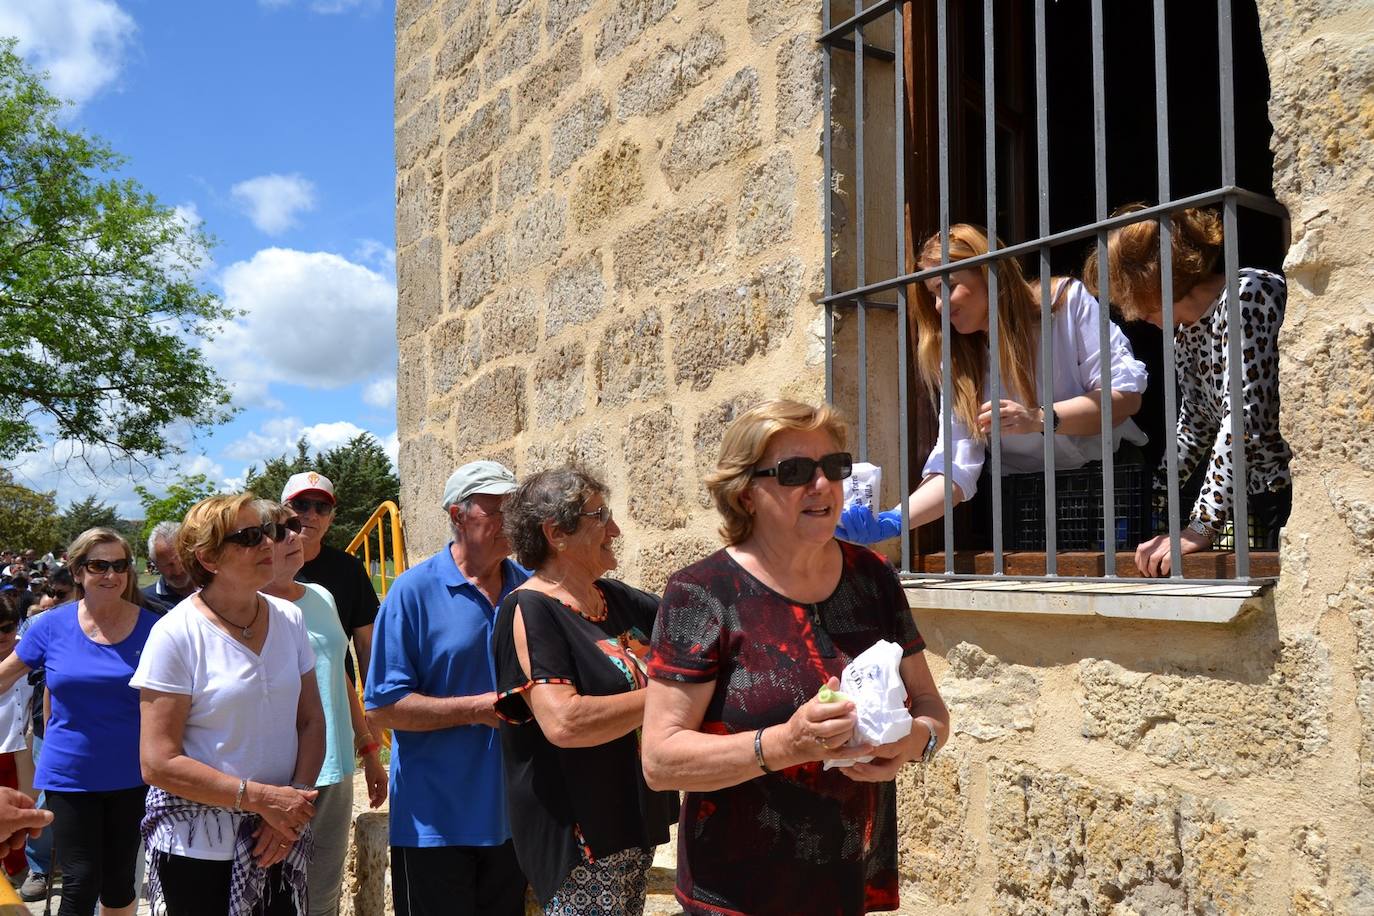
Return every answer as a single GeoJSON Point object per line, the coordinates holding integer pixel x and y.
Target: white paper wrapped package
{"type": "Point", "coordinates": [873, 681]}
{"type": "Point", "coordinates": [862, 487]}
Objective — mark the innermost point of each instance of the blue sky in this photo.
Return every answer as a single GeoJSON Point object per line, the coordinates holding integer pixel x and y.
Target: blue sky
{"type": "Point", "coordinates": [271, 122]}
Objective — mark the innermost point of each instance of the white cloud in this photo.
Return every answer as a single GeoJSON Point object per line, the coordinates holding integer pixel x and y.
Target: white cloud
{"type": "Point", "coordinates": [374, 253]}
{"type": "Point", "coordinates": [278, 436]}
{"type": "Point", "coordinates": [272, 202]}
{"type": "Point", "coordinates": [392, 444]}
{"type": "Point", "coordinates": [309, 318]}
{"type": "Point", "coordinates": [80, 43]}
{"type": "Point", "coordinates": [381, 393]}
{"type": "Point", "coordinates": [174, 260]}
{"type": "Point", "coordinates": [327, 7]}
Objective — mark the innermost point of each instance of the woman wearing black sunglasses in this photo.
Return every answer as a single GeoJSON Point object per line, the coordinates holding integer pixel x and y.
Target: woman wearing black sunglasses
{"type": "Point", "coordinates": [744, 640]}
{"type": "Point", "coordinates": [233, 732]}
{"type": "Point", "coordinates": [89, 768]}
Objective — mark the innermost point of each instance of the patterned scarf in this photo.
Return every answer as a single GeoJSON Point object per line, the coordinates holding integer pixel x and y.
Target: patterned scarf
{"type": "Point", "coordinates": [247, 879]}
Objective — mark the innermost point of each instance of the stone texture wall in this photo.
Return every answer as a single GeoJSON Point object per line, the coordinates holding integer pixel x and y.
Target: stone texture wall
{"type": "Point", "coordinates": [608, 233]}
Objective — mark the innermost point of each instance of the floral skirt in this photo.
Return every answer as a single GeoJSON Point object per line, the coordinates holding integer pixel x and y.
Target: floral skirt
{"type": "Point", "coordinates": [613, 886]}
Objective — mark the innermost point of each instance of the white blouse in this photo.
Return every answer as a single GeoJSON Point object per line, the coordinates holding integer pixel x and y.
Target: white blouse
{"type": "Point", "coordinates": [1077, 371]}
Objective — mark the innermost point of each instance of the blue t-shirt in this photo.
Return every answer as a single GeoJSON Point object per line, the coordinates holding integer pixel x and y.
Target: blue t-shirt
{"type": "Point", "coordinates": [91, 744]}
{"type": "Point", "coordinates": [330, 643]}
{"type": "Point", "coordinates": [433, 637]}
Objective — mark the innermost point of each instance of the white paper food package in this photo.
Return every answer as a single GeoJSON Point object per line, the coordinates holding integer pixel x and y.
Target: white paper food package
{"type": "Point", "coordinates": [873, 681]}
{"type": "Point", "coordinates": [862, 487]}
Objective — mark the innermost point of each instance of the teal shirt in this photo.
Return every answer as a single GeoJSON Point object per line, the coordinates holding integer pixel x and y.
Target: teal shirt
{"type": "Point", "coordinates": [331, 647]}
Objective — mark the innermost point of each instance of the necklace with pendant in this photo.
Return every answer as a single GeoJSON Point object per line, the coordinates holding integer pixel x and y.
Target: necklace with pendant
{"type": "Point", "coordinates": [247, 629]}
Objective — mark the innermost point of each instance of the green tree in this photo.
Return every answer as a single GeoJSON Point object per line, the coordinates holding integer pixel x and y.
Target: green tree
{"type": "Point", "coordinates": [359, 469]}
{"type": "Point", "coordinates": [183, 493]}
{"type": "Point", "coordinates": [88, 513]}
{"type": "Point", "coordinates": [100, 312]}
{"type": "Point", "coordinates": [28, 518]}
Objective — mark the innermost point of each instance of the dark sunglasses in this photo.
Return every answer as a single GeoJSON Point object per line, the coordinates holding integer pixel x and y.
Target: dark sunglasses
{"type": "Point", "coordinates": [799, 471]}
{"type": "Point", "coordinates": [292, 524]}
{"type": "Point", "coordinates": [318, 506]}
{"type": "Point", "coordinates": [602, 515]}
{"type": "Point", "coordinates": [100, 567]}
{"type": "Point", "coordinates": [252, 537]}
{"type": "Point", "coordinates": [8, 628]}
{"type": "Point", "coordinates": [61, 594]}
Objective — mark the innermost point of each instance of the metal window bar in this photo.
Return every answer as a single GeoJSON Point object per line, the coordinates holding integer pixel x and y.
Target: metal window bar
{"type": "Point", "coordinates": [1042, 165]}
{"type": "Point", "coordinates": [1230, 195]}
{"type": "Point", "coordinates": [899, 177]}
{"type": "Point", "coordinates": [994, 337]}
{"type": "Point", "coordinates": [826, 207]}
{"type": "Point", "coordinates": [860, 252]}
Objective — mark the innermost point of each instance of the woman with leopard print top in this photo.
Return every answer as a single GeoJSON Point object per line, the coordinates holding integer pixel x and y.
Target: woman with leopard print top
{"type": "Point", "coordinates": [1202, 361]}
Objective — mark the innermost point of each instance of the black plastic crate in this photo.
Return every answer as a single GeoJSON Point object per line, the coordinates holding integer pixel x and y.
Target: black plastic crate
{"type": "Point", "coordinates": [1078, 508]}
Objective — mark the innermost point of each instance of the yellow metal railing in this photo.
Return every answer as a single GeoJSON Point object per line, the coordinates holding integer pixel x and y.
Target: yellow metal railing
{"type": "Point", "coordinates": [361, 545]}
{"type": "Point", "coordinates": [10, 904]}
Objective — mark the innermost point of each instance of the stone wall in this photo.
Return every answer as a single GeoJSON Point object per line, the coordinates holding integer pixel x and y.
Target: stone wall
{"type": "Point", "coordinates": [609, 242]}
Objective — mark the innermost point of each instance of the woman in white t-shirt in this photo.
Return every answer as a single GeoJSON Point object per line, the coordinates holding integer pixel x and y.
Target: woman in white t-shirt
{"type": "Point", "coordinates": [1074, 419]}
{"type": "Point", "coordinates": [232, 728]}
{"type": "Point", "coordinates": [346, 730]}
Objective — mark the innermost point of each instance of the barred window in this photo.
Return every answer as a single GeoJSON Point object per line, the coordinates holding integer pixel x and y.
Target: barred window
{"type": "Point", "coordinates": [1040, 121]}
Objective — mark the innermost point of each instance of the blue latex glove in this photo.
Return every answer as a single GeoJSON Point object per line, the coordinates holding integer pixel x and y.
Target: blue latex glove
{"type": "Point", "coordinates": [858, 525]}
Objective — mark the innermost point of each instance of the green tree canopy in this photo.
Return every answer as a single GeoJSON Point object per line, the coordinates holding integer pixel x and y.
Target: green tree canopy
{"type": "Point", "coordinates": [27, 518]}
{"type": "Point", "coordinates": [182, 494]}
{"type": "Point", "coordinates": [359, 469]}
{"type": "Point", "coordinates": [100, 312]}
{"type": "Point", "coordinates": [88, 513]}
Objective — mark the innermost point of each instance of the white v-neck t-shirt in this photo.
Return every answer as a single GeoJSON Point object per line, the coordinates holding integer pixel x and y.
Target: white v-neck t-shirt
{"type": "Point", "coordinates": [242, 719]}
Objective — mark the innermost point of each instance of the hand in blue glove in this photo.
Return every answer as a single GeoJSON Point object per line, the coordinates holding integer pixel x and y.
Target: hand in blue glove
{"type": "Point", "coordinates": [859, 526]}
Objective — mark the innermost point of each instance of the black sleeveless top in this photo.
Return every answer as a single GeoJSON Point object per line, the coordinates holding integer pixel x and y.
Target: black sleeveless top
{"type": "Point", "coordinates": [571, 804]}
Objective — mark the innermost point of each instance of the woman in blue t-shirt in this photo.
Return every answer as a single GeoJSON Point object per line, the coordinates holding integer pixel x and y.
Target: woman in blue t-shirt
{"type": "Point", "coordinates": [89, 767]}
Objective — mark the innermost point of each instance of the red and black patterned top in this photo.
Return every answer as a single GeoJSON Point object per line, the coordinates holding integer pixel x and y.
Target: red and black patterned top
{"type": "Point", "coordinates": [805, 839]}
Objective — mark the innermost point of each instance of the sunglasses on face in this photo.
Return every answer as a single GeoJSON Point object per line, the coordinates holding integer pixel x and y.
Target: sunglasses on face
{"type": "Point", "coordinates": [602, 515]}
{"type": "Point", "coordinates": [317, 506]}
{"type": "Point", "coordinates": [100, 567]}
{"type": "Point", "coordinates": [799, 471]}
{"type": "Point", "coordinates": [61, 594]}
{"type": "Point", "coordinates": [292, 524]}
{"type": "Point", "coordinates": [8, 628]}
{"type": "Point", "coordinates": [252, 537]}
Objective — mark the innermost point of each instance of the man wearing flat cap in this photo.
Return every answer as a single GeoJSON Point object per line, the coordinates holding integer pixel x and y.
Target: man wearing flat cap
{"type": "Point", "coordinates": [433, 684]}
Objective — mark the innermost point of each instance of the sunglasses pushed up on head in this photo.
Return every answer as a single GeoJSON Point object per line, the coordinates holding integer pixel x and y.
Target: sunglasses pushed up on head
{"type": "Point", "coordinates": [799, 471]}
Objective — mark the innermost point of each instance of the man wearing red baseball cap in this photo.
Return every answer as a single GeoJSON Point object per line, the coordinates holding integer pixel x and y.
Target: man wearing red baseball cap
{"type": "Point", "coordinates": [311, 496]}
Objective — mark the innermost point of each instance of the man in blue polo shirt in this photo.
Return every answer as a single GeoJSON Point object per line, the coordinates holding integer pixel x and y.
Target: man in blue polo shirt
{"type": "Point", "coordinates": [433, 683]}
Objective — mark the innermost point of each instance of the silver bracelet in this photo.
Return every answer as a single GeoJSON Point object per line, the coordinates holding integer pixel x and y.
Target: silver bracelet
{"type": "Point", "coordinates": [238, 798]}
{"type": "Point", "coordinates": [758, 751]}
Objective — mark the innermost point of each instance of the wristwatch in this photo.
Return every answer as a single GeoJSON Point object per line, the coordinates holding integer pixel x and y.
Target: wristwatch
{"type": "Point", "coordinates": [1050, 421]}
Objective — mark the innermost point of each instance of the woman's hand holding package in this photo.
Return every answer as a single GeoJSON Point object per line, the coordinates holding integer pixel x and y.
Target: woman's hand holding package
{"type": "Point", "coordinates": [858, 525]}
{"type": "Point", "coordinates": [891, 757]}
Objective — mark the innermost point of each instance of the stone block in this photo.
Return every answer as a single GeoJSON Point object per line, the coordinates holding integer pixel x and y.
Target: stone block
{"type": "Point", "coordinates": [418, 297]}
{"type": "Point", "coordinates": [509, 324]}
{"type": "Point", "coordinates": [412, 389]}
{"type": "Point", "coordinates": [585, 448]}
{"type": "Point", "coordinates": [664, 252]}
{"type": "Point", "coordinates": [408, 11]}
{"type": "Point", "coordinates": [657, 81]}
{"type": "Point", "coordinates": [480, 135]}
{"type": "Point", "coordinates": [726, 126]}
{"type": "Point", "coordinates": [653, 457]}
{"type": "Point", "coordinates": [482, 266]}
{"type": "Point", "coordinates": [462, 92]}
{"type": "Point", "coordinates": [1334, 383]}
{"type": "Point", "coordinates": [562, 14]}
{"type": "Point", "coordinates": [728, 325]}
{"type": "Point", "coordinates": [417, 135]}
{"type": "Point", "coordinates": [1267, 716]}
{"type": "Point", "coordinates": [508, 7]}
{"type": "Point", "coordinates": [464, 37]}
{"type": "Point", "coordinates": [545, 84]}
{"type": "Point", "coordinates": [416, 42]}
{"type": "Point", "coordinates": [576, 131]}
{"type": "Point", "coordinates": [516, 47]}
{"type": "Point", "coordinates": [418, 196]}
{"type": "Point", "coordinates": [519, 173]}
{"type": "Point", "coordinates": [411, 87]}
{"type": "Point", "coordinates": [560, 386]}
{"type": "Point", "coordinates": [770, 18]}
{"type": "Point", "coordinates": [424, 462]}
{"type": "Point", "coordinates": [658, 559]}
{"type": "Point", "coordinates": [935, 850]}
{"type": "Point", "coordinates": [611, 182]}
{"type": "Point", "coordinates": [1362, 617]}
{"type": "Point", "coordinates": [629, 360]}
{"type": "Point", "coordinates": [536, 235]}
{"type": "Point", "coordinates": [626, 21]}
{"type": "Point", "coordinates": [710, 431]}
{"type": "Point", "coordinates": [767, 208]}
{"type": "Point", "coordinates": [575, 293]}
{"type": "Point", "coordinates": [469, 206]}
{"type": "Point", "coordinates": [799, 84]}
{"type": "Point", "coordinates": [987, 697]}
{"type": "Point", "coordinates": [1060, 844]}
{"type": "Point", "coordinates": [490, 409]}
{"type": "Point", "coordinates": [450, 354]}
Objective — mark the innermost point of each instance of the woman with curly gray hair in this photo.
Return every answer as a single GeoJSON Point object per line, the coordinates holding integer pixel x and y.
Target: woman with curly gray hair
{"type": "Point", "coordinates": [570, 650]}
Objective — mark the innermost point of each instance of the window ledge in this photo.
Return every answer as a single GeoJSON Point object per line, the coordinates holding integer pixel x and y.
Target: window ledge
{"type": "Point", "coordinates": [1172, 601]}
